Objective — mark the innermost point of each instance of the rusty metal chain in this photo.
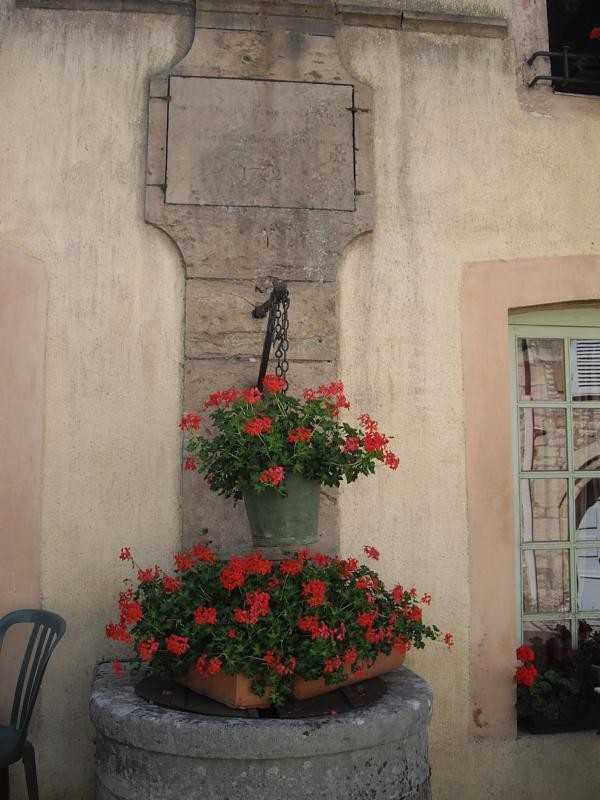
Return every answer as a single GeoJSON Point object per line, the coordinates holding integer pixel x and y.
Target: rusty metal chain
{"type": "Point", "coordinates": [276, 336]}
{"type": "Point", "coordinates": [280, 337]}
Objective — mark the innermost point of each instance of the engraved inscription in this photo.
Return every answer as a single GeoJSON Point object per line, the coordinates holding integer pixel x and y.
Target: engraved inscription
{"type": "Point", "coordinates": [260, 143]}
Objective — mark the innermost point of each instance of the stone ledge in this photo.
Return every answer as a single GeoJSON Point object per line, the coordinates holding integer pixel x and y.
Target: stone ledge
{"type": "Point", "coordinates": [144, 752]}
{"type": "Point", "coordinates": [119, 714]}
{"type": "Point", "coordinates": [185, 7]}
{"type": "Point", "coordinates": [365, 14]}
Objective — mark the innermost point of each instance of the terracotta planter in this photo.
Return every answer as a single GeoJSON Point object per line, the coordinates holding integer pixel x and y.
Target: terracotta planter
{"type": "Point", "coordinates": [231, 690]}
{"type": "Point", "coordinates": [235, 690]}
{"type": "Point", "coordinates": [305, 689]}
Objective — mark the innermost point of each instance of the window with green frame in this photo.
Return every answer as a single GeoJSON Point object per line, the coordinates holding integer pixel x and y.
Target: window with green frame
{"type": "Point", "coordinates": [555, 362]}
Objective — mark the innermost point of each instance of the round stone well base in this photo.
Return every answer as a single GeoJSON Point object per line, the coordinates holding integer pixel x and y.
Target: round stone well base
{"type": "Point", "coordinates": [145, 752]}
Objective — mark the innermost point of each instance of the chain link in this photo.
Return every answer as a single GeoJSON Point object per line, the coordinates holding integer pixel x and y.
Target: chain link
{"type": "Point", "coordinates": [280, 338]}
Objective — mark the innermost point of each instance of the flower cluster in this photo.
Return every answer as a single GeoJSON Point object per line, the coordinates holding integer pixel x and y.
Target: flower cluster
{"type": "Point", "coordinates": [311, 615]}
{"type": "Point", "coordinates": [262, 436]}
{"type": "Point", "coordinates": [527, 672]}
{"type": "Point", "coordinates": [553, 680]}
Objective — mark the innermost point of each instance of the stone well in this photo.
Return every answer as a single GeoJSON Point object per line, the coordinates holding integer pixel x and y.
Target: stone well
{"type": "Point", "coordinates": [145, 752]}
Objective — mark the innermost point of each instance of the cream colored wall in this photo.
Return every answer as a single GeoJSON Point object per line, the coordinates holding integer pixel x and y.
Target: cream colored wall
{"type": "Point", "coordinates": [463, 173]}
{"type": "Point", "coordinates": [72, 139]}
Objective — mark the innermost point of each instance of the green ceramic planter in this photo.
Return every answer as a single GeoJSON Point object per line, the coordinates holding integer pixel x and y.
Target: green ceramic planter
{"type": "Point", "coordinates": [290, 522]}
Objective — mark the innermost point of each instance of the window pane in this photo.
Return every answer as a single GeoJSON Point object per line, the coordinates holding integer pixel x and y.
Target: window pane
{"type": "Point", "coordinates": [544, 510]}
{"type": "Point", "coordinates": [588, 631]}
{"type": "Point", "coordinates": [550, 641]}
{"type": "Point", "coordinates": [585, 369]}
{"type": "Point", "coordinates": [543, 438]}
{"type": "Point", "coordinates": [541, 369]}
{"type": "Point", "coordinates": [587, 508]}
{"type": "Point", "coordinates": [587, 565]}
{"type": "Point", "coordinates": [545, 576]}
{"type": "Point", "coordinates": [586, 438]}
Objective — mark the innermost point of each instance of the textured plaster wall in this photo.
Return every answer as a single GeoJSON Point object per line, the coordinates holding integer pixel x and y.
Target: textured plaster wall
{"type": "Point", "coordinates": [463, 173]}
{"type": "Point", "coordinates": [72, 138]}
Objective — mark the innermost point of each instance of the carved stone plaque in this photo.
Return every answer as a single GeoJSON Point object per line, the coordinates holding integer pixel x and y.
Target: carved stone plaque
{"type": "Point", "coordinates": [269, 144]}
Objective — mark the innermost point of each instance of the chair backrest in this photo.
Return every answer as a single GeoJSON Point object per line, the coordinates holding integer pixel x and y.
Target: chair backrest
{"type": "Point", "coordinates": [48, 629]}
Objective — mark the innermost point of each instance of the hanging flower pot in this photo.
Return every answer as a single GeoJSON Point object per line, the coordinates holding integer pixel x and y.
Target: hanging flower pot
{"type": "Point", "coordinates": [275, 451]}
{"type": "Point", "coordinates": [289, 521]}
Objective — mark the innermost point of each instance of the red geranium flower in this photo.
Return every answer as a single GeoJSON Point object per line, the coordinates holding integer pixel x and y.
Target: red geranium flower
{"type": "Point", "coordinates": [145, 575]}
{"type": "Point", "coordinates": [525, 674]}
{"type": "Point", "coordinates": [272, 383]}
{"type": "Point", "coordinates": [183, 561]}
{"type": "Point", "coordinates": [525, 653]}
{"type": "Point", "coordinates": [258, 425]}
{"type": "Point", "coordinates": [315, 592]}
{"type": "Point", "coordinates": [205, 615]}
{"type": "Point", "coordinates": [203, 553]}
{"type": "Point", "coordinates": [177, 644]}
{"type": "Point", "coordinates": [290, 567]}
{"type": "Point", "coordinates": [118, 669]}
{"type": "Point", "coordinates": [300, 435]}
{"type": "Point", "coordinates": [125, 554]}
{"type": "Point", "coordinates": [398, 594]}
{"type": "Point", "coordinates": [206, 667]}
{"type": "Point", "coordinates": [272, 476]}
{"type": "Point", "coordinates": [117, 632]}
{"type": "Point", "coordinates": [131, 611]}
{"type": "Point", "coordinates": [251, 396]}
{"type": "Point", "coordinates": [391, 460]}
{"type": "Point", "coordinates": [146, 648]}
{"type": "Point", "coordinates": [190, 421]}
{"type": "Point", "coordinates": [372, 552]}
{"type": "Point", "coordinates": [352, 444]}
{"type": "Point", "coordinates": [171, 584]}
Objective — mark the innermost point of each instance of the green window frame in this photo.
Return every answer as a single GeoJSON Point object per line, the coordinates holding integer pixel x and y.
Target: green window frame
{"type": "Point", "coordinates": [556, 453]}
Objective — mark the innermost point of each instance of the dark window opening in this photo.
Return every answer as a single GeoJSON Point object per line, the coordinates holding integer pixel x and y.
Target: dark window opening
{"type": "Point", "coordinates": [571, 25]}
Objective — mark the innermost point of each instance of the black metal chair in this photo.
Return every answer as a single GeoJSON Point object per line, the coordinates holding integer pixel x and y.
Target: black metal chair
{"type": "Point", "coordinates": [48, 629]}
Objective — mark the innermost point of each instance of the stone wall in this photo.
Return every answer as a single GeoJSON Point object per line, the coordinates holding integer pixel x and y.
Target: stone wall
{"type": "Point", "coordinates": [259, 167]}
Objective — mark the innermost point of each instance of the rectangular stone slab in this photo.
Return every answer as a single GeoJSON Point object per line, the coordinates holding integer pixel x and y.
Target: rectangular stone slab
{"type": "Point", "coordinates": [219, 321]}
{"type": "Point", "coordinates": [260, 143]}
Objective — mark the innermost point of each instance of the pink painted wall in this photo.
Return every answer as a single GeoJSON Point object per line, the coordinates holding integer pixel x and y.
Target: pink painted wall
{"type": "Point", "coordinates": [23, 301]}
{"type": "Point", "coordinates": [490, 290]}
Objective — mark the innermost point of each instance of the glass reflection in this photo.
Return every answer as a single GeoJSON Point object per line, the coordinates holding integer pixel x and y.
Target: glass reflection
{"type": "Point", "coordinates": [587, 565]}
{"type": "Point", "coordinates": [550, 641]}
{"type": "Point", "coordinates": [587, 509]}
{"type": "Point", "coordinates": [543, 438]}
{"type": "Point", "coordinates": [541, 369]}
{"type": "Point", "coordinates": [544, 510]}
{"type": "Point", "coordinates": [586, 438]}
{"type": "Point", "coordinates": [545, 580]}
{"type": "Point", "coordinates": [585, 369]}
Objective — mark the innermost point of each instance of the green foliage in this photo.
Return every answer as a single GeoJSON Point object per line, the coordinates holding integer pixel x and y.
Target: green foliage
{"type": "Point", "coordinates": [311, 616]}
{"type": "Point", "coordinates": [552, 695]}
{"type": "Point", "coordinates": [253, 434]}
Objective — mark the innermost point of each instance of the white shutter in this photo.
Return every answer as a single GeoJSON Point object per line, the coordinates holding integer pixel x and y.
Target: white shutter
{"type": "Point", "coordinates": [585, 367]}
